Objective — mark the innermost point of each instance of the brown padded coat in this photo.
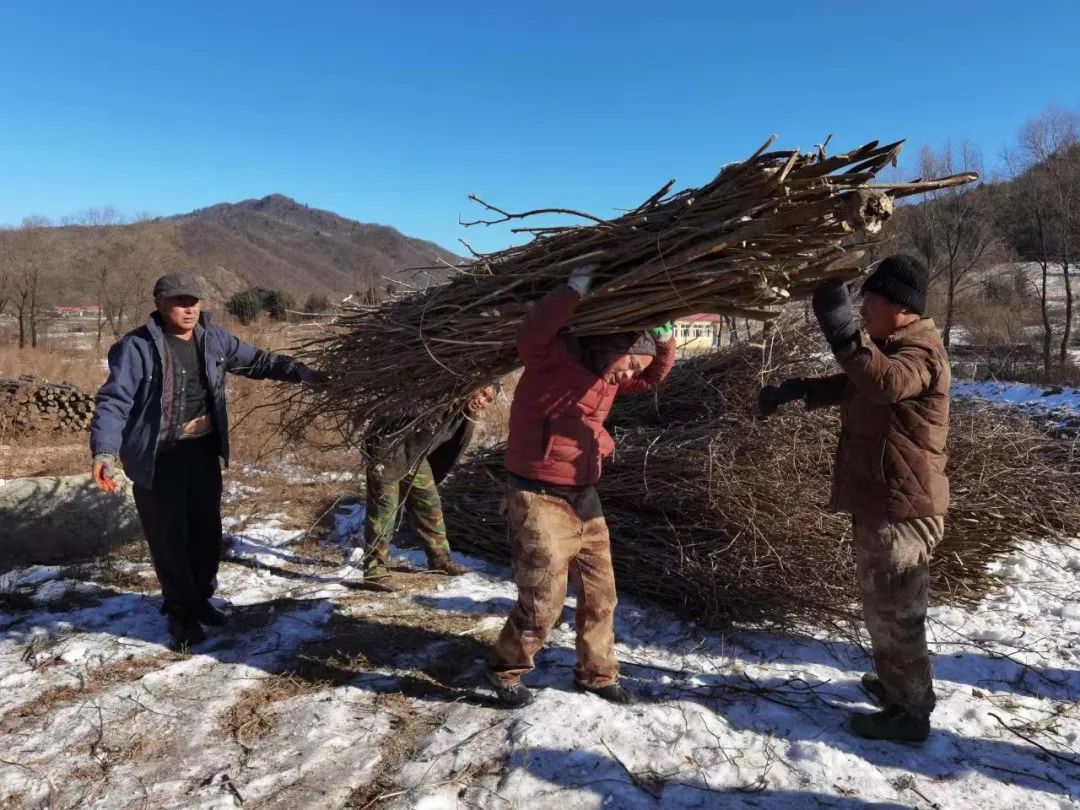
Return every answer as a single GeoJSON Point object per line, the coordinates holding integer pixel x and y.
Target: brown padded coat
{"type": "Point", "coordinates": [894, 398]}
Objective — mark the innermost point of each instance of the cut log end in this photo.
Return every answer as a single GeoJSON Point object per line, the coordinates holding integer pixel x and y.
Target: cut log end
{"type": "Point", "coordinates": [868, 210]}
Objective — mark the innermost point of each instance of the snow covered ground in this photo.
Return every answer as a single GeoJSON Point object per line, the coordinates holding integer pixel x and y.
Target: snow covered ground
{"type": "Point", "coordinates": [1034, 398]}
{"type": "Point", "coordinates": [322, 695]}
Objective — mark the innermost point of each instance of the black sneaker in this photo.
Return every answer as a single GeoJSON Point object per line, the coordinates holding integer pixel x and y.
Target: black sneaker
{"type": "Point", "coordinates": [513, 696]}
{"type": "Point", "coordinates": [893, 724]}
{"type": "Point", "coordinates": [208, 614]}
{"type": "Point", "coordinates": [613, 693]}
{"type": "Point", "coordinates": [186, 631]}
{"type": "Point", "coordinates": [871, 684]}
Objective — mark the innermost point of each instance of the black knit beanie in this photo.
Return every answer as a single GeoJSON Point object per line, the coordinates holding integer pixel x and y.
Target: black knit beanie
{"type": "Point", "coordinates": [902, 279]}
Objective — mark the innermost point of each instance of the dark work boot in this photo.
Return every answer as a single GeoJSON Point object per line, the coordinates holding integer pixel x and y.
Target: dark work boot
{"type": "Point", "coordinates": [378, 577]}
{"type": "Point", "coordinates": [871, 684]}
{"type": "Point", "coordinates": [893, 724]}
{"type": "Point", "coordinates": [208, 614]}
{"type": "Point", "coordinates": [613, 693]}
{"type": "Point", "coordinates": [443, 563]}
{"type": "Point", "coordinates": [513, 696]}
{"type": "Point", "coordinates": [185, 630]}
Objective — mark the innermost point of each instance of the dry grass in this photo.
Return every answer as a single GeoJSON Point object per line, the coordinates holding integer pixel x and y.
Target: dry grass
{"type": "Point", "coordinates": [410, 727]}
{"type": "Point", "coordinates": [113, 571]}
{"type": "Point", "coordinates": [140, 750]}
{"type": "Point", "coordinates": [397, 638]}
{"type": "Point", "coordinates": [993, 323]}
{"type": "Point", "coordinates": [92, 682]}
{"type": "Point", "coordinates": [135, 551]}
{"type": "Point", "coordinates": [253, 715]}
{"type": "Point", "coordinates": [45, 454]}
{"type": "Point", "coordinates": [79, 367]}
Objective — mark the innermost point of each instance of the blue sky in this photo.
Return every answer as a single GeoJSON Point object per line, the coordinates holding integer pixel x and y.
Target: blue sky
{"type": "Point", "coordinates": [394, 113]}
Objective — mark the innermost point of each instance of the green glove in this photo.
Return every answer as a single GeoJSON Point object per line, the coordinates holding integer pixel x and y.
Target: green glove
{"type": "Point", "coordinates": [663, 332]}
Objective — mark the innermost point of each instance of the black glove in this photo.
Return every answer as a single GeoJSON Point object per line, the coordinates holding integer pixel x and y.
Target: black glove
{"type": "Point", "coordinates": [773, 396]}
{"type": "Point", "coordinates": [310, 376]}
{"type": "Point", "coordinates": [833, 309]}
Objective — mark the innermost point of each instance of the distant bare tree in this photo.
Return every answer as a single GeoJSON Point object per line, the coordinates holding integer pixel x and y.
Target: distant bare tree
{"type": "Point", "coordinates": [25, 263]}
{"type": "Point", "coordinates": [954, 228]}
{"type": "Point", "coordinates": [134, 256]}
{"type": "Point", "coordinates": [6, 277]}
{"type": "Point", "coordinates": [1046, 209]}
{"type": "Point", "coordinates": [93, 218]}
{"type": "Point", "coordinates": [95, 258]}
{"type": "Point", "coordinates": [366, 278]}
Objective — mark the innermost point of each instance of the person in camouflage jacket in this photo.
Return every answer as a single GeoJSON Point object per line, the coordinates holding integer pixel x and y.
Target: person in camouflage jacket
{"type": "Point", "coordinates": [404, 476]}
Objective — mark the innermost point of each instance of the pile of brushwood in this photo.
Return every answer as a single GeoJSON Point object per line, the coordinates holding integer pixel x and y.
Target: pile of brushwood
{"type": "Point", "coordinates": [763, 232]}
{"type": "Point", "coordinates": [721, 516]}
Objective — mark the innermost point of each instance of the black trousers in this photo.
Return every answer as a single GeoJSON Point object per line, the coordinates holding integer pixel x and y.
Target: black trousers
{"type": "Point", "coordinates": [181, 517]}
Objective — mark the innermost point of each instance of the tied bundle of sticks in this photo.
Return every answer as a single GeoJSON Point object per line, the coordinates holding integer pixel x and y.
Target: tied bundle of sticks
{"type": "Point", "coordinates": [763, 232]}
{"type": "Point", "coordinates": [722, 517]}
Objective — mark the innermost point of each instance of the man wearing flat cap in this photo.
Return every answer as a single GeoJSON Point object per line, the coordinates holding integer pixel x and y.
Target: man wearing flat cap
{"type": "Point", "coordinates": [162, 414]}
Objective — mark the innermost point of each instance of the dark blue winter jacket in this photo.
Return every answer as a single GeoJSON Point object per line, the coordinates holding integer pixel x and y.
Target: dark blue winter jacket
{"type": "Point", "coordinates": [137, 410]}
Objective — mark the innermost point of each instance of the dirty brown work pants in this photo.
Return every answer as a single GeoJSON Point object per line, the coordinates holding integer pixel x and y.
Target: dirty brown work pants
{"type": "Point", "coordinates": [892, 562]}
{"type": "Point", "coordinates": [553, 538]}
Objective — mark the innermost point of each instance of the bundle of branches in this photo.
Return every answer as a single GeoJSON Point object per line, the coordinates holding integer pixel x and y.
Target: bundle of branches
{"type": "Point", "coordinates": [722, 516]}
{"type": "Point", "coordinates": [764, 231]}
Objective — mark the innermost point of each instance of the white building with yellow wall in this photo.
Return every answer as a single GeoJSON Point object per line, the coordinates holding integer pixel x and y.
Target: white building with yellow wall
{"type": "Point", "coordinates": [701, 333]}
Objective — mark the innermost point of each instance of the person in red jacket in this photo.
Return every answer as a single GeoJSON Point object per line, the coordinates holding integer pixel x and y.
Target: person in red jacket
{"type": "Point", "coordinates": [554, 457]}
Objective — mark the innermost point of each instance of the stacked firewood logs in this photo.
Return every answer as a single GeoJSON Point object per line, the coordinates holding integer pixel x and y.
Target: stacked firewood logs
{"type": "Point", "coordinates": [32, 405]}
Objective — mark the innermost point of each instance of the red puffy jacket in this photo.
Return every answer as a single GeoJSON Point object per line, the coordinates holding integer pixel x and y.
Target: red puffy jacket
{"type": "Point", "coordinates": [557, 418]}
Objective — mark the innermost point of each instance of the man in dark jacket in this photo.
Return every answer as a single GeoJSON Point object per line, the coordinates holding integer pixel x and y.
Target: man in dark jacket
{"type": "Point", "coordinates": [554, 456]}
{"type": "Point", "coordinates": [410, 470]}
{"type": "Point", "coordinates": [162, 413]}
{"type": "Point", "coordinates": [889, 473]}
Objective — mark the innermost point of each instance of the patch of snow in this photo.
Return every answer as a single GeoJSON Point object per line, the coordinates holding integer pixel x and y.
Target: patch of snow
{"type": "Point", "coordinates": [24, 577]}
{"type": "Point", "coordinates": [758, 720]}
{"type": "Point", "coordinates": [320, 478]}
{"type": "Point", "coordinates": [349, 522]}
{"type": "Point", "coordinates": [740, 719]}
{"type": "Point", "coordinates": [1022, 395]}
{"type": "Point", "coordinates": [235, 489]}
{"type": "Point", "coordinates": [51, 591]}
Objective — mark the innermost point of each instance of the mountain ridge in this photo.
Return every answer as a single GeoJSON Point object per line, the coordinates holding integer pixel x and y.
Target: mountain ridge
{"type": "Point", "coordinates": [279, 243]}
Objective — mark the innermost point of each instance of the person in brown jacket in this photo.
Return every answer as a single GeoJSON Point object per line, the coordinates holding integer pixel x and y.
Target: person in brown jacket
{"type": "Point", "coordinates": [889, 473]}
